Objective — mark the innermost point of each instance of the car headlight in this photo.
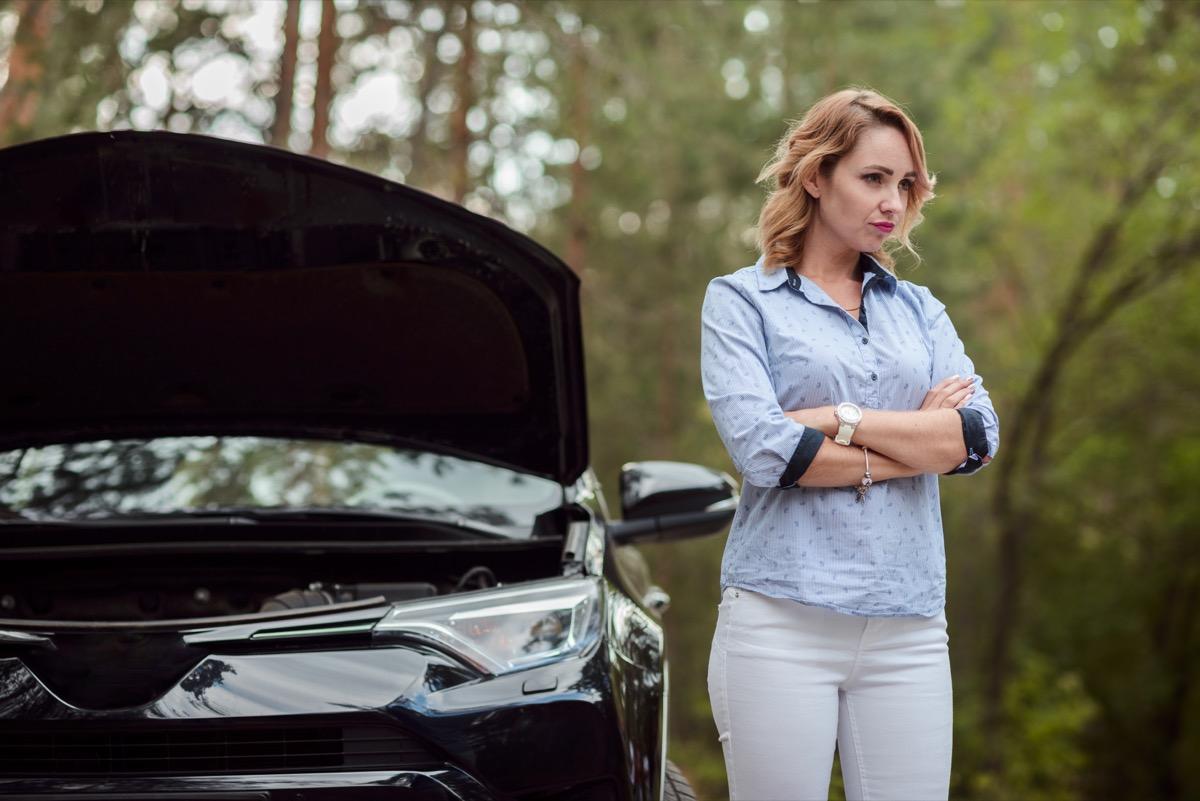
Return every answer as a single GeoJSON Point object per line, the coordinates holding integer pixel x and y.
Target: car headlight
{"type": "Point", "coordinates": [500, 631]}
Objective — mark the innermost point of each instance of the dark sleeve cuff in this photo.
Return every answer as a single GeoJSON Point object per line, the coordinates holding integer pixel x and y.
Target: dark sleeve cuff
{"type": "Point", "coordinates": [810, 443]}
{"type": "Point", "coordinates": [976, 441]}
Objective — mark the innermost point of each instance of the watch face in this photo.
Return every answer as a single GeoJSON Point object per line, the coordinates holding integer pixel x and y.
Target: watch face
{"type": "Point", "coordinates": [849, 413]}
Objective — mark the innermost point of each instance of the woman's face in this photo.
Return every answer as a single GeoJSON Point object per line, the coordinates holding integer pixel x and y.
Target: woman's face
{"type": "Point", "coordinates": [865, 197]}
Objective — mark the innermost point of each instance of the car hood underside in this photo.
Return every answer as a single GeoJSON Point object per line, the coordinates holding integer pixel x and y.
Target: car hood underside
{"type": "Point", "coordinates": [168, 284]}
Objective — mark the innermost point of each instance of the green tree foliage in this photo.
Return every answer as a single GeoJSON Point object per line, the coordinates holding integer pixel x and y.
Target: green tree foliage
{"type": "Point", "coordinates": [627, 136]}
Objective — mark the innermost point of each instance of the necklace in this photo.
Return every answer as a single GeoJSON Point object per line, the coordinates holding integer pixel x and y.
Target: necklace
{"type": "Point", "coordinates": [856, 308]}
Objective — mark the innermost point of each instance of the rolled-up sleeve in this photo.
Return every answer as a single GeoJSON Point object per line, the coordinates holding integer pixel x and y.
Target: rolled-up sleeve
{"type": "Point", "coordinates": [767, 448]}
{"type": "Point", "coordinates": [980, 425]}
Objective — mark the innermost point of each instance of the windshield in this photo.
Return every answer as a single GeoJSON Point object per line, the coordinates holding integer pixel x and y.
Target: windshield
{"type": "Point", "coordinates": [94, 480]}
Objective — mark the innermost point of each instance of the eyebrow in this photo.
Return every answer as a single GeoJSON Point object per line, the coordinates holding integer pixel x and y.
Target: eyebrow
{"type": "Point", "coordinates": [888, 170]}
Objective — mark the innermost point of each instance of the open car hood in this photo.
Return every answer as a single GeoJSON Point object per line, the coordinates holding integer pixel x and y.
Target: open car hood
{"type": "Point", "coordinates": [155, 284]}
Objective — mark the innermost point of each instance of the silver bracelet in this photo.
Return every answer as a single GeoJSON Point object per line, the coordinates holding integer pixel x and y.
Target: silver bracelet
{"type": "Point", "coordinates": [862, 488]}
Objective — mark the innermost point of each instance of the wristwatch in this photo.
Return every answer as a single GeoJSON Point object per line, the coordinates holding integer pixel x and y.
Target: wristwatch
{"type": "Point", "coordinates": [849, 416]}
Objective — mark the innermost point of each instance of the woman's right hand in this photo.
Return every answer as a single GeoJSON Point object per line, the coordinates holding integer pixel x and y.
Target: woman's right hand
{"type": "Point", "coordinates": [949, 393]}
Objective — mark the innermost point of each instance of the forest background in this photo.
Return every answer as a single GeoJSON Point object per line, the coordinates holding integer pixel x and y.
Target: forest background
{"type": "Point", "coordinates": [627, 136]}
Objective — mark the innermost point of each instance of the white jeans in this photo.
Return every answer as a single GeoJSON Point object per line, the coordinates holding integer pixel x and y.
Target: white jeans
{"type": "Point", "coordinates": [787, 680]}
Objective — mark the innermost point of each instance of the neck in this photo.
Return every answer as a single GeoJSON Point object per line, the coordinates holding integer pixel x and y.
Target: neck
{"type": "Point", "coordinates": [826, 260]}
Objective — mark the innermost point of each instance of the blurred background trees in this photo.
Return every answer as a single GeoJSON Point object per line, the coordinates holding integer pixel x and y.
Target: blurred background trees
{"type": "Point", "coordinates": [627, 135]}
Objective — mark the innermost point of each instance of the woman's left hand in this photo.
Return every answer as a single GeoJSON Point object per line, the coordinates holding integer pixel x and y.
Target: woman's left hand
{"type": "Point", "coordinates": [949, 393]}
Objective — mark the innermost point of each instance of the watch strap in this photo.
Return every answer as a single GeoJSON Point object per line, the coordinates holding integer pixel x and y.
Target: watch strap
{"type": "Point", "coordinates": [845, 433]}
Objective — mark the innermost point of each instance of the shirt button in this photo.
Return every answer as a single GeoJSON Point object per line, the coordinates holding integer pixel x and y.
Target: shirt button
{"type": "Point", "coordinates": [874, 377]}
{"type": "Point", "coordinates": [864, 340]}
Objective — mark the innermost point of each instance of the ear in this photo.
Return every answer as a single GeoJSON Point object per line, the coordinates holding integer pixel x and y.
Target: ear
{"type": "Point", "coordinates": [812, 187]}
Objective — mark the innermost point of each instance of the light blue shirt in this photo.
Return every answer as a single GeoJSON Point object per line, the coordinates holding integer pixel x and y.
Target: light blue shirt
{"type": "Point", "coordinates": [775, 341]}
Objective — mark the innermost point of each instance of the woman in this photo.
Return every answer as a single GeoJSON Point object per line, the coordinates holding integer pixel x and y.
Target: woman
{"type": "Point", "coordinates": [841, 393]}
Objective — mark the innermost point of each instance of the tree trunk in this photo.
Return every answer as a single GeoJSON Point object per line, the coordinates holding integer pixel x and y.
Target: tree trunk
{"type": "Point", "coordinates": [281, 127]}
{"type": "Point", "coordinates": [22, 92]}
{"type": "Point", "coordinates": [460, 134]}
{"type": "Point", "coordinates": [1172, 644]}
{"type": "Point", "coordinates": [577, 220]}
{"type": "Point", "coordinates": [418, 147]}
{"type": "Point", "coordinates": [327, 44]}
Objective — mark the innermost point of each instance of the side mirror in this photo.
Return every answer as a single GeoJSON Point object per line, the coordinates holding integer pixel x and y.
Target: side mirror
{"type": "Point", "coordinates": [672, 501]}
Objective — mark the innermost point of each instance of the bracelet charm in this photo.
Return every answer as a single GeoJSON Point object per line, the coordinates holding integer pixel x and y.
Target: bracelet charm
{"type": "Point", "coordinates": [865, 485]}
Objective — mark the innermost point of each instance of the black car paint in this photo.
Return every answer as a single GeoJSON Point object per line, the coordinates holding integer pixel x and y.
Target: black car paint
{"type": "Point", "coordinates": [258, 270]}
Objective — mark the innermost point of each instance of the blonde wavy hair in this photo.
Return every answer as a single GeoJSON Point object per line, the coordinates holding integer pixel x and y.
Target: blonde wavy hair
{"type": "Point", "coordinates": [814, 144]}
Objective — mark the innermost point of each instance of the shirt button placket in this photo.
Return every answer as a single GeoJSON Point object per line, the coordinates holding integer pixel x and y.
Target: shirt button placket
{"type": "Point", "coordinates": [872, 370]}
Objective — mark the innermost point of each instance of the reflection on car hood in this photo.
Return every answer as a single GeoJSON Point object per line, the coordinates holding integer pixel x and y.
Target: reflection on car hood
{"type": "Point", "coordinates": [164, 284]}
{"type": "Point", "coordinates": [472, 523]}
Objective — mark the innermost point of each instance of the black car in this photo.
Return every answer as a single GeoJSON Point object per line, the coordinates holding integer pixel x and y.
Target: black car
{"type": "Point", "coordinates": [295, 499]}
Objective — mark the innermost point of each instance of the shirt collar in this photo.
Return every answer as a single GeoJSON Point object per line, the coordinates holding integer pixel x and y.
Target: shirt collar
{"type": "Point", "coordinates": [769, 279]}
{"type": "Point", "coordinates": [872, 271]}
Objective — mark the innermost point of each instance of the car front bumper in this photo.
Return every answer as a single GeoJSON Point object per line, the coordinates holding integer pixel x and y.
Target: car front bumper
{"type": "Point", "coordinates": [548, 732]}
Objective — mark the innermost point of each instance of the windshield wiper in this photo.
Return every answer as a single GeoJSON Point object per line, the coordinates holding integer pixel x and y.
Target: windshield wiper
{"type": "Point", "coordinates": [353, 514]}
{"type": "Point", "coordinates": [238, 515]}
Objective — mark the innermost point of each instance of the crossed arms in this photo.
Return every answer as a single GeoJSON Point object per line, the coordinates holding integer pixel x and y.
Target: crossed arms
{"type": "Point", "coordinates": [951, 431]}
{"type": "Point", "coordinates": [902, 444]}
